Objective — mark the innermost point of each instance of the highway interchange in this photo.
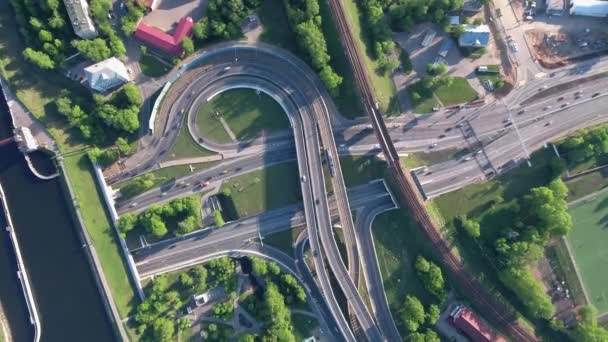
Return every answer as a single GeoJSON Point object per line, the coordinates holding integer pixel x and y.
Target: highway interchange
{"type": "Point", "coordinates": [498, 134]}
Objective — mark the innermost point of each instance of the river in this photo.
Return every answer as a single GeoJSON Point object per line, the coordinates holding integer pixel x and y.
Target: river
{"type": "Point", "coordinates": [69, 304]}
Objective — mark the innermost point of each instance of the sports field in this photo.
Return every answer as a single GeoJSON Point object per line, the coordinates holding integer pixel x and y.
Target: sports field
{"type": "Point", "coordinates": [589, 242]}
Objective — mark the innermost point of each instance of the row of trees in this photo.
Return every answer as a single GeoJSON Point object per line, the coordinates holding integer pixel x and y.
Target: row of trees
{"type": "Point", "coordinates": [129, 21]}
{"type": "Point", "coordinates": [405, 13]}
{"type": "Point", "coordinates": [415, 317]}
{"type": "Point", "coordinates": [271, 272]}
{"type": "Point", "coordinates": [432, 278]}
{"type": "Point", "coordinates": [520, 241]}
{"type": "Point", "coordinates": [182, 215]}
{"type": "Point", "coordinates": [305, 21]}
{"type": "Point", "coordinates": [379, 33]}
{"type": "Point", "coordinates": [223, 19]}
{"type": "Point", "coordinates": [138, 185]}
{"type": "Point", "coordinates": [585, 145]}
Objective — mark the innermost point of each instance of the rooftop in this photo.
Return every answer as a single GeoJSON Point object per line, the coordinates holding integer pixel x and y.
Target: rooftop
{"type": "Point", "coordinates": [78, 11]}
{"type": "Point", "coordinates": [106, 74]}
{"type": "Point", "coordinates": [465, 320]}
{"type": "Point", "coordinates": [171, 44]}
{"type": "Point", "coordinates": [475, 36]}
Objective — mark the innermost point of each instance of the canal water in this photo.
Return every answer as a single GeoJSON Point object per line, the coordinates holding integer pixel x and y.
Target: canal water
{"type": "Point", "coordinates": [65, 292]}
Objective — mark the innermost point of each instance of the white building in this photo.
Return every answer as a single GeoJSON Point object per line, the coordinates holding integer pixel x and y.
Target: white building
{"type": "Point", "coordinates": [106, 74]}
{"type": "Point", "coordinates": [590, 8]}
{"type": "Point", "coordinates": [78, 11]}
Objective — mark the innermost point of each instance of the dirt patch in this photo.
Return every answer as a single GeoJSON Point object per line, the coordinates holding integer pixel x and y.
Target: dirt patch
{"type": "Point", "coordinates": [555, 48]}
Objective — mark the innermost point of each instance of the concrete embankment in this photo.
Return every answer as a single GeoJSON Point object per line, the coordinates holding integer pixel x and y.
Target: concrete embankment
{"type": "Point", "coordinates": [108, 199]}
{"type": "Point", "coordinates": [35, 171]}
{"type": "Point", "coordinates": [21, 271]}
{"type": "Point", "coordinates": [92, 258]}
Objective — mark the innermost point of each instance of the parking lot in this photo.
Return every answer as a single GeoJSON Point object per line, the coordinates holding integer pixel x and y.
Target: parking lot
{"type": "Point", "coordinates": [421, 55]}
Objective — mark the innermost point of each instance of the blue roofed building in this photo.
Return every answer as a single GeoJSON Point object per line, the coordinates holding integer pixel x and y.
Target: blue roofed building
{"type": "Point", "coordinates": [475, 36]}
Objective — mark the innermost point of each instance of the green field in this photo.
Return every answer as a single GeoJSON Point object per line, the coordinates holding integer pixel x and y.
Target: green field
{"type": "Point", "coordinates": [588, 240]}
{"type": "Point", "coordinates": [247, 113]}
{"type": "Point", "coordinates": [460, 91]}
{"type": "Point", "coordinates": [398, 242]}
{"type": "Point", "coordinates": [185, 147]}
{"type": "Point", "coordinates": [152, 67]}
{"type": "Point", "coordinates": [258, 191]}
{"type": "Point", "coordinates": [98, 224]}
{"type": "Point", "coordinates": [587, 184]}
{"type": "Point", "coordinates": [359, 170]}
{"type": "Point", "coordinates": [384, 88]}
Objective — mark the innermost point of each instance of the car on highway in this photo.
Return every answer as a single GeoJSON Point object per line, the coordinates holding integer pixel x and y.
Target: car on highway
{"type": "Point", "coordinates": [163, 194]}
{"type": "Point", "coordinates": [595, 95]}
{"type": "Point", "coordinates": [521, 112]}
{"type": "Point", "coordinates": [203, 184]}
{"type": "Point", "coordinates": [133, 205]}
{"type": "Point", "coordinates": [565, 104]}
{"type": "Point", "coordinates": [560, 98]}
{"type": "Point", "coordinates": [549, 123]}
{"type": "Point", "coordinates": [547, 107]}
{"type": "Point", "coordinates": [433, 145]}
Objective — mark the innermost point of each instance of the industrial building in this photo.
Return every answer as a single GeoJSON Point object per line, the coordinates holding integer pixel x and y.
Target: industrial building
{"type": "Point", "coordinates": [589, 8]}
{"type": "Point", "coordinates": [171, 44]}
{"type": "Point", "coordinates": [78, 11]}
{"type": "Point", "coordinates": [106, 75]}
{"type": "Point", "coordinates": [554, 7]}
{"type": "Point", "coordinates": [475, 36]}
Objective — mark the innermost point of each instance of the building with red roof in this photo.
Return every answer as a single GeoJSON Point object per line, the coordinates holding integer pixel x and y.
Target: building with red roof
{"type": "Point", "coordinates": [466, 321]}
{"type": "Point", "coordinates": [171, 44]}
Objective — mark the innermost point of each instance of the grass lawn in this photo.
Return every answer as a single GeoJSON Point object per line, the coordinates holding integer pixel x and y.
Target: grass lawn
{"type": "Point", "coordinates": [276, 27]}
{"type": "Point", "coordinates": [98, 225]}
{"type": "Point", "coordinates": [359, 170]}
{"type": "Point", "coordinates": [587, 184]}
{"type": "Point", "coordinates": [383, 85]}
{"type": "Point", "coordinates": [185, 147]}
{"type": "Point", "coordinates": [398, 242]}
{"type": "Point", "coordinates": [417, 159]}
{"type": "Point", "coordinates": [248, 115]}
{"type": "Point", "coordinates": [270, 188]}
{"type": "Point", "coordinates": [152, 67]}
{"type": "Point", "coordinates": [284, 240]}
{"type": "Point", "coordinates": [459, 91]}
{"type": "Point", "coordinates": [492, 77]}
{"type": "Point", "coordinates": [588, 240]}
{"type": "Point", "coordinates": [304, 326]}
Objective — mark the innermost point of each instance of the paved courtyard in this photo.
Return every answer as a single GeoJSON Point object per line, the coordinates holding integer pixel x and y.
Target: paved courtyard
{"type": "Point", "coordinates": [169, 12]}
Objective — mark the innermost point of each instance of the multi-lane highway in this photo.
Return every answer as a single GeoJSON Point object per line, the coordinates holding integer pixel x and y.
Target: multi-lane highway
{"type": "Point", "coordinates": [496, 133]}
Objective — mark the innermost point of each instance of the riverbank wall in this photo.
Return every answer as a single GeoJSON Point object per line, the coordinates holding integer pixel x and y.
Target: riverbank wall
{"type": "Point", "coordinates": [109, 201]}
{"type": "Point", "coordinates": [91, 253]}
{"type": "Point", "coordinates": [21, 270]}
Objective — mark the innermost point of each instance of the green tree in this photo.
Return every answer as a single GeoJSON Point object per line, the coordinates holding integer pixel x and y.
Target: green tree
{"type": "Point", "coordinates": [219, 220]}
{"type": "Point", "coordinates": [163, 330]}
{"type": "Point", "coordinates": [331, 79]}
{"type": "Point", "coordinates": [470, 226]}
{"type": "Point", "coordinates": [95, 50]}
{"type": "Point", "coordinates": [431, 276]}
{"type": "Point", "coordinates": [199, 277]}
{"type": "Point", "coordinates": [529, 290]}
{"type": "Point", "coordinates": [126, 223]}
{"type": "Point", "coordinates": [45, 36]}
{"type": "Point", "coordinates": [311, 39]}
{"type": "Point", "coordinates": [187, 46]}
{"type": "Point", "coordinates": [186, 226]}
{"type": "Point", "coordinates": [436, 69]}
{"type": "Point", "coordinates": [412, 313]}
{"type": "Point", "coordinates": [587, 329]}
{"type": "Point", "coordinates": [138, 185]}
{"type": "Point", "coordinates": [39, 59]}
{"type": "Point", "coordinates": [259, 267]}
{"type": "Point", "coordinates": [432, 314]}
{"type": "Point", "coordinates": [123, 145]}
{"type": "Point", "coordinates": [201, 29]}
{"type": "Point", "coordinates": [246, 338]}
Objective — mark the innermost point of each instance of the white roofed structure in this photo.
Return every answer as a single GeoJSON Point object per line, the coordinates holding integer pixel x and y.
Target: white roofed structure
{"type": "Point", "coordinates": [78, 11]}
{"type": "Point", "coordinates": [106, 74]}
{"type": "Point", "coordinates": [589, 8]}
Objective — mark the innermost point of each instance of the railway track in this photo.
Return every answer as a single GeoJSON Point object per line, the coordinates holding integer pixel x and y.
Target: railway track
{"type": "Point", "coordinates": [485, 302]}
